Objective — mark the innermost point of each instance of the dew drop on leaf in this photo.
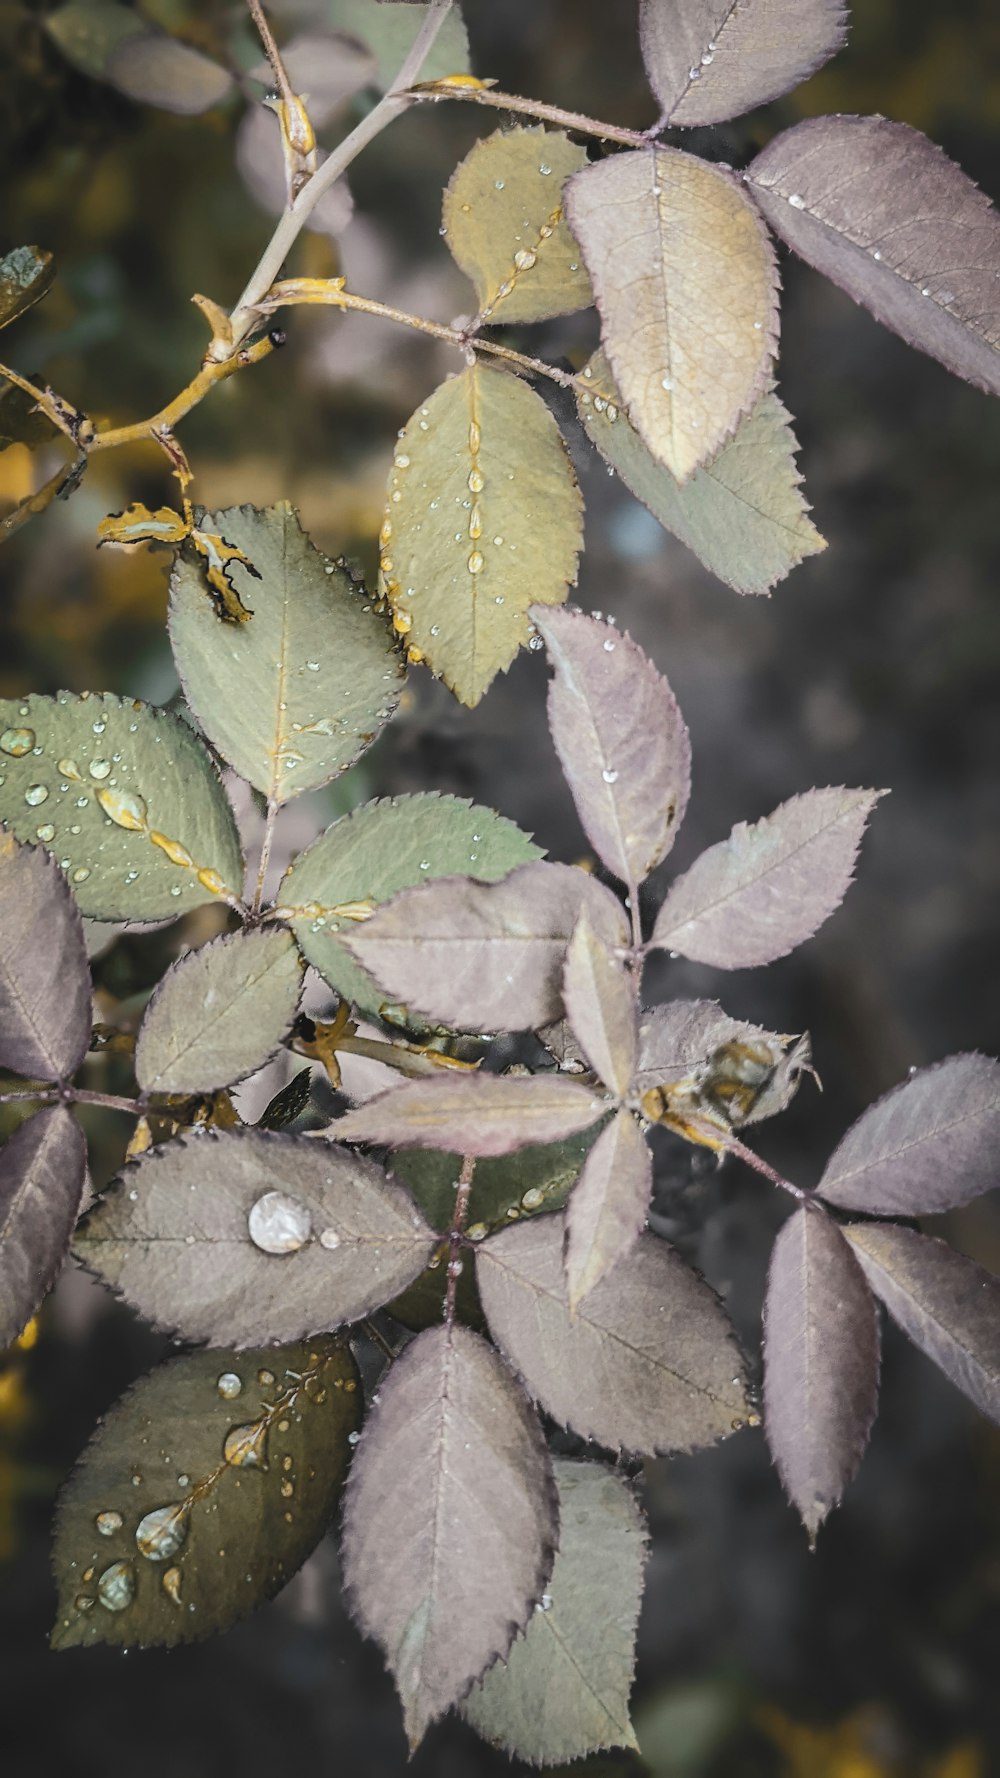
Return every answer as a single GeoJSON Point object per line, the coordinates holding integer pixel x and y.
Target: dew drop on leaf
{"type": "Point", "coordinates": [35, 794]}
{"type": "Point", "coordinates": [108, 1523]}
{"type": "Point", "coordinates": [246, 1446]}
{"type": "Point", "coordinates": [279, 1223]}
{"type": "Point", "coordinates": [100, 768]}
{"type": "Point", "coordinates": [116, 1587]}
{"type": "Point", "coordinates": [17, 741]}
{"type": "Point", "coordinates": [162, 1532]}
{"type": "Point", "coordinates": [124, 808]}
{"type": "Point", "coordinates": [171, 1584]}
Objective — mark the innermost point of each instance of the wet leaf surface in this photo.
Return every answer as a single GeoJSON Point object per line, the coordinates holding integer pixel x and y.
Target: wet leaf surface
{"type": "Point", "coordinates": [219, 1012]}
{"type": "Point", "coordinates": [709, 60]}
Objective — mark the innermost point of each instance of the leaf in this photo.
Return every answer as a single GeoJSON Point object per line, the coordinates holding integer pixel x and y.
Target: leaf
{"type": "Point", "coordinates": [202, 1492]}
{"type": "Point", "coordinates": [687, 287]}
{"type": "Point", "coordinates": [389, 28]}
{"type": "Point", "coordinates": [368, 856]}
{"type": "Point", "coordinates": [608, 1206]}
{"type": "Point", "coordinates": [219, 1013]}
{"type": "Point", "coordinates": [621, 740]}
{"type": "Point", "coordinates": [235, 1236]}
{"type": "Point", "coordinates": [709, 60]}
{"type": "Point", "coordinates": [885, 214]}
{"type": "Point", "coordinates": [504, 1187]}
{"type": "Point", "coordinates": [648, 1363]}
{"type": "Point", "coordinates": [481, 1114]}
{"type": "Point", "coordinates": [563, 1691]}
{"type": "Point", "coordinates": [87, 31]}
{"type": "Point", "coordinates": [928, 1145]}
{"type": "Point", "coordinates": [770, 886]}
{"type": "Point", "coordinates": [294, 696]}
{"type": "Point", "coordinates": [288, 1104]}
{"type": "Point", "coordinates": [485, 957]}
{"type": "Point", "coordinates": [743, 514]}
{"type": "Point", "coordinates": [45, 994]}
{"type": "Point", "coordinates": [602, 1006]}
{"type": "Point", "coordinates": [158, 70]}
{"type": "Point", "coordinates": [26, 275]}
{"type": "Point", "coordinates": [821, 1360]}
{"type": "Point", "coordinates": [503, 222]}
{"type": "Point", "coordinates": [450, 1519]}
{"type": "Point", "coordinates": [126, 798]}
{"type": "Point", "coordinates": [949, 1306]}
{"type": "Point", "coordinates": [681, 1037]}
{"type": "Point", "coordinates": [697, 1066]}
{"type": "Point", "coordinates": [42, 1170]}
{"type": "Point", "coordinates": [488, 521]}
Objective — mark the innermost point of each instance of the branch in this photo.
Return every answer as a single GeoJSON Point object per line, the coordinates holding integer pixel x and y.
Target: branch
{"type": "Point", "coordinates": [433, 90]}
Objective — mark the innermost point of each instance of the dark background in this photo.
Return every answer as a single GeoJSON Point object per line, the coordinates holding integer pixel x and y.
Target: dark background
{"type": "Point", "coordinates": [875, 663]}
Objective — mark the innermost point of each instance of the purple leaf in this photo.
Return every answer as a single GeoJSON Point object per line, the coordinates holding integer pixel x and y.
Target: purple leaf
{"type": "Point", "coordinates": [649, 1362]}
{"type": "Point", "coordinates": [481, 1114]}
{"type": "Point", "coordinates": [621, 741]}
{"type": "Point", "coordinates": [450, 1519]}
{"type": "Point", "coordinates": [607, 1207]}
{"type": "Point", "coordinates": [602, 1007]}
{"type": "Point", "coordinates": [485, 956]}
{"type": "Point", "coordinates": [709, 60]}
{"type": "Point", "coordinates": [681, 1037]}
{"type": "Point", "coordinates": [885, 214]}
{"type": "Point", "coordinates": [821, 1357]}
{"type": "Point", "coordinates": [45, 994]}
{"type": "Point", "coordinates": [926, 1146]}
{"type": "Point", "coordinates": [219, 1012]}
{"type": "Point", "coordinates": [41, 1183]}
{"type": "Point", "coordinates": [757, 895]}
{"type": "Point", "coordinates": [949, 1306]}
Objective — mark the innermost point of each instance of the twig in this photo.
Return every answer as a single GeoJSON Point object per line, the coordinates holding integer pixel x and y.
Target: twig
{"type": "Point", "coordinates": [455, 1233]}
{"type": "Point", "coordinates": [288, 94]}
{"type": "Point", "coordinates": [733, 1145]}
{"type": "Point", "coordinates": [265, 856]}
{"type": "Point", "coordinates": [433, 90]}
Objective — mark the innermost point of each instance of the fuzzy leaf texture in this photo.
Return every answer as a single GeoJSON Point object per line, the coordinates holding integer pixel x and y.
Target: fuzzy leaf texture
{"type": "Point", "coordinates": [480, 1114]}
{"type": "Point", "coordinates": [45, 992]}
{"type": "Point", "coordinates": [743, 515]}
{"type": "Point", "coordinates": [608, 1206]}
{"type": "Point", "coordinates": [621, 740]}
{"type": "Point", "coordinates": [450, 1519]}
{"type": "Point", "coordinates": [125, 797]}
{"type": "Point", "coordinates": [821, 1363]}
{"type": "Point", "coordinates": [219, 1013]}
{"type": "Point", "coordinates": [886, 215]}
{"type": "Point", "coordinates": [202, 1492]}
{"type": "Point", "coordinates": [770, 886]}
{"type": "Point", "coordinates": [563, 1690]}
{"type": "Point", "coordinates": [367, 857]}
{"type": "Point", "coordinates": [649, 1363]}
{"type": "Point", "coordinates": [687, 287]}
{"type": "Point", "coordinates": [709, 60]}
{"type": "Point", "coordinates": [240, 1236]}
{"type": "Point", "coordinates": [947, 1304]}
{"type": "Point", "coordinates": [42, 1168]}
{"type": "Point", "coordinates": [927, 1146]}
{"type": "Point", "coordinates": [293, 696]}
{"type": "Point", "coordinates": [488, 521]}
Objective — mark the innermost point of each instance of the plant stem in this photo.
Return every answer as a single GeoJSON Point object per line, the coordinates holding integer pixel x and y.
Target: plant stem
{"type": "Point", "coordinates": [265, 856]}
{"type": "Point", "coordinates": [457, 1230]}
{"type": "Point", "coordinates": [569, 120]}
{"type": "Point", "coordinates": [733, 1145]}
{"type": "Point", "coordinates": [211, 372]}
{"type": "Point", "coordinates": [273, 54]}
{"type": "Point", "coordinates": [77, 1096]}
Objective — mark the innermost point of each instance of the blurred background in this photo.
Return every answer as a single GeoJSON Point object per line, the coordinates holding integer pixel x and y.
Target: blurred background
{"type": "Point", "coordinates": [875, 663]}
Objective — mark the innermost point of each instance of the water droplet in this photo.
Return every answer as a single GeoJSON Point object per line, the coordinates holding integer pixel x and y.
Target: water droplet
{"type": "Point", "coordinates": [435, 629]}
{"type": "Point", "coordinates": [84, 1602]}
{"type": "Point", "coordinates": [535, 643]}
{"type": "Point", "coordinates": [499, 599]}
{"type": "Point", "coordinates": [707, 59]}
{"type": "Point", "coordinates": [100, 768]}
{"type": "Point", "coordinates": [35, 794]}
{"type": "Point", "coordinates": [108, 1523]}
{"type": "Point", "coordinates": [229, 1385]}
{"type": "Point", "coordinates": [401, 460]}
{"type": "Point", "coordinates": [124, 808]}
{"type": "Point", "coordinates": [99, 727]}
{"type": "Point", "coordinates": [171, 1584]}
{"type": "Point", "coordinates": [278, 1223]}
{"type": "Point", "coordinates": [266, 1378]}
{"type": "Point", "coordinates": [353, 1438]}
{"type": "Point", "coordinates": [477, 562]}
{"type": "Point", "coordinates": [544, 169]}
{"type": "Point", "coordinates": [797, 202]}
{"type": "Point", "coordinates": [46, 832]}
{"type": "Point", "coordinates": [246, 1446]}
{"type": "Point", "coordinates": [524, 259]}
{"type": "Point", "coordinates": [17, 741]}
{"type": "Point", "coordinates": [161, 1533]}
{"type": "Point", "coordinates": [533, 1199]}
{"type": "Point", "coordinates": [116, 1587]}
{"type": "Point", "coordinates": [329, 1239]}
{"type": "Point", "coordinates": [545, 1602]}
{"type": "Point", "coordinates": [666, 383]}
{"type": "Point", "coordinates": [499, 183]}
{"type": "Point", "coordinates": [610, 777]}
{"type": "Point", "coordinates": [183, 1481]}
{"type": "Point", "coordinates": [425, 864]}
{"type": "Point", "coordinates": [175, 889]}
{"type": "Point", "coordinates": [81, 873]}
{"type": "Point", "coordinates": [609, 647]}
{"type": "Point", "coordinates": [876, 254]}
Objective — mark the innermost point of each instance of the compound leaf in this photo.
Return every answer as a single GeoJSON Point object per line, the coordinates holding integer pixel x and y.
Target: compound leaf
{"type": "Point", "coordinates": [649, 1362]}
{"type": "Point", "coordinates": [368, 856]}
{"type": "Point", "coordinates": [293, 696]}
{"type": "Point", "coordinates": [821, 1359]}
{"type": "Point", "coordinates": [125, 797]}
{"type": "Point", "coordinates": [42, 1170]}
{"type": "Point", "coordinates": [45, 992]}
{"type": "Point", "coordinates": [26, 274]}
{"type": "Point", "coordinates": [709, 60]}
{"type": "Point", "coordinates": [770, 886]}
{"type": "Point", "coordinates": [202, 1492]}
{"type": "Point", "coordinates": [602, 1006]}
{"type": "Point", "coordinates": [885, 214]}
{"type": "Point", "coordinates": [504, 224]}
{"type": "Point", "coordinates": [450, 1519]}
{"type": "Point", "coordinates": [608, 1206]}
{"type": "Point", "coordinates": [563, 1690]}
{"type": "Point", "coordinates": [233, 1236]}
{"type": "Point", "coordinates": [219, 1013]}
{"type": "Point", "coordinates": [481, 1114]}
{"type": "Point", "coordinates": [949, 1306]}
{"type": "Point", "coordinates": [686, 284]}
{"type": "Point", "coordinates": [484, 519]}
{"type": "Point", "coordinates": [928, 1145]}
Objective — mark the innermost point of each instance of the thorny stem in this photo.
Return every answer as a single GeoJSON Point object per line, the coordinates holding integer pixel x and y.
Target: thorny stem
{"type": "Point", "coordinates": [569, 120]}
{"type": "Point", "coordinates": [265, 856]}
{"type": "Point", "coordinates": [273, 54]}
{"type": "Point", "coordinates": [457, 1230]}
{"type": "Point", "coordinates": [733, 1145]}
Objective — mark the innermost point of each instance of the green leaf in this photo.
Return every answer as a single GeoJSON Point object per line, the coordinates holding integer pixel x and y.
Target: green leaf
{"type": "Point", "coordinates": [389, 30]}
{"type": "Point", "coordinates": [484, 519]}
{"type": "Point", "coordinates": [504, 223]}
{"type": "Point", "coordinates": [202, 1493]}
{"type": "Point", "coordinates": [295, 694]}
{"type": "Point", "coordinates": [126, 798]}
{"type": "Point", "coordinates": [379, 849]}
{"type": "Point", "coordinates": [743, 515]}
{"type": "Point", "coordinates": [504, 1187]}
{"type": "Point", "coordinates": [89, 31]}
{"type": "Point", "coordinates": [563, 1691]}
{"type": "Point", "coordinates": [26, 273]}
{"type": "Point", "coordinates": [219, 1012]}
